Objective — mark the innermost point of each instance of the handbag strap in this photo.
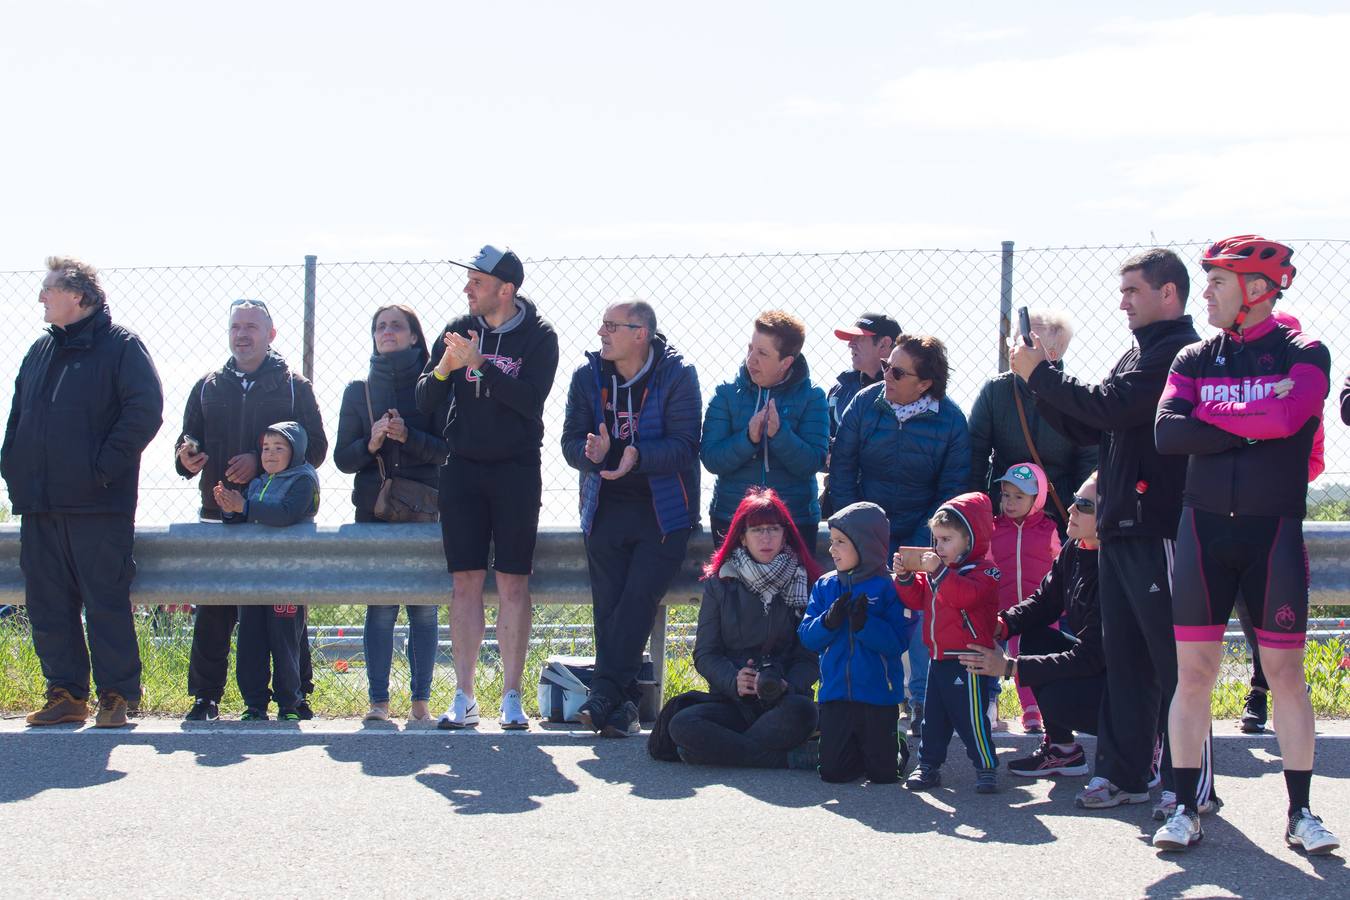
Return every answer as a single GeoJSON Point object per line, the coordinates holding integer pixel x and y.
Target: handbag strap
{"type": "Point", "coordinates": [1035, 455]}
{"type": "Point", "coordinates": [370, 411]}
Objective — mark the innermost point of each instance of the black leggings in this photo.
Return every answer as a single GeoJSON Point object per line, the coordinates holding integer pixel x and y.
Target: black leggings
{"type": "Point", "coordinates": [720, 734]}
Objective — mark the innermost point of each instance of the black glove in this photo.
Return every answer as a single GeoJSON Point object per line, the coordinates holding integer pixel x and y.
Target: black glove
{"type": "Point", "coordinates": [857, 616]}
{"type": "Point", "coordinates": [769, 686]}
{"type": "Point", "coordinates": [834, 616]}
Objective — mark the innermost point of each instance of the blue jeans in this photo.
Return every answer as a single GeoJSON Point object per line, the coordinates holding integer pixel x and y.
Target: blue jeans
{"type": "Point", "coordinates": [918, 661]}
{"type": "Point", "coordinates": [379, 647]}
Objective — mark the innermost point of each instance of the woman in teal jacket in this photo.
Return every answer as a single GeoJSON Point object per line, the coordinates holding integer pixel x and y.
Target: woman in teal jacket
{"type": "Point", "coordinates": [768, 427]}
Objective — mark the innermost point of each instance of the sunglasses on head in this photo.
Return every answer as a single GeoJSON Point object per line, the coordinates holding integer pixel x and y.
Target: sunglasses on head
{"type": "Point", "coordinates": [1083, 504]}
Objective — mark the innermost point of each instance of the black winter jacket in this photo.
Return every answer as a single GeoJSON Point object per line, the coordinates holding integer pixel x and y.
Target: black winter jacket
{"type": "Point", "coordinates": [1069, 589]}
{"type": "Point", "coordinates": [733, 629]}
{"type": "Point", "coordinates": [996, 432]}
{"type": "Point", "coordinates": [87, 402]}
{"type": "Point", "coordinates": [228, 422]}
{"type": "Point", "coordinates": [419, 458]}
{"type": "Point", "coordinates": [1138, 489]}
{"type": "Point", "coordinates": [497, 413]}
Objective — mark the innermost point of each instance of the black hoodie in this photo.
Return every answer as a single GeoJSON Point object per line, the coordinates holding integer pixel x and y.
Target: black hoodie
{"type": "Point", "coordinates": [497, 413]}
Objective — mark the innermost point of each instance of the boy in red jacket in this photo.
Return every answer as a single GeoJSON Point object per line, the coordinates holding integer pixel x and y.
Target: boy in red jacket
{"type": "Point", "coordinates": [956, 586]}
{"type": "Point", "coordinates": [1024, 547]}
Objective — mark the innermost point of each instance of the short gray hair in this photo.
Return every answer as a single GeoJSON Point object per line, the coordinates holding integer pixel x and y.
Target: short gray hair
{"type": "Point", "coordinates": [643, 311]}
{"type": "Point", "coordinates": [1057, 331]}
{"type": "Point", "coordinates": [78, 277]}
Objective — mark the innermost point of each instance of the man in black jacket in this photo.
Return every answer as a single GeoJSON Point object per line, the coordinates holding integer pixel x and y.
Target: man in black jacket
{"type": "Point", "coordinates": [86, 404]}
{"type": "Point", "coordinates": [1139, 505]}
{"type": "Point", "coordinates": [227, 412]}
{"type": "Point", "coordinates": [493, 369]}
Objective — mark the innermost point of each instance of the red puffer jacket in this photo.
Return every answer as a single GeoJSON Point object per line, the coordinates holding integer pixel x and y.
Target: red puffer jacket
{"type": "Point", "coordinates": [1024, 551]}
{"type": "Point", "coordinates": [959, 602]}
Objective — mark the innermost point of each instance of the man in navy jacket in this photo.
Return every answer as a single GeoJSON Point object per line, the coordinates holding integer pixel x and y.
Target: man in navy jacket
{"type": "Point", "coordinates": [632, 430]}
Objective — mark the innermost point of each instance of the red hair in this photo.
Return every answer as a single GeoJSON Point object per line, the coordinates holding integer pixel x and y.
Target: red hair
{"type": "Point", "coordinates": [762, 506]}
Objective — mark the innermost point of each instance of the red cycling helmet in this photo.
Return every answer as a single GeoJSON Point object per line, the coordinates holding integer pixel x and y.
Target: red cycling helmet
{"type": "Point", "coordinates": [1251, 254]}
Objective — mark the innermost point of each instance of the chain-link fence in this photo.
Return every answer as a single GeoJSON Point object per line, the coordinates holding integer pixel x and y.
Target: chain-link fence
{"type": "Point", "coordinates": [705, 304]}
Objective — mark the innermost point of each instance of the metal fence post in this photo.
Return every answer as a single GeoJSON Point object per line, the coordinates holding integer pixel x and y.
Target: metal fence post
{"type": "Point", "coordinates": [1005, 306]}
{"type": "Point", "coordinates": [311, 265]}
{"type": "Point", "coordinates": [658, 651]}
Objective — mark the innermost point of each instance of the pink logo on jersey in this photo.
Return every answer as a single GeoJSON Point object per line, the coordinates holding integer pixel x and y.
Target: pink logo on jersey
{"type": "Point", "coordinates": [1284, 617]}
{"type": "Point", "coordinates": [507, 364]}
{"type": "Point", "coordinates": [1266, 362]}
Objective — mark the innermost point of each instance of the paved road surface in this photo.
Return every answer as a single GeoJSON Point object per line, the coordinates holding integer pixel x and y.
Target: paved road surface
{"type": "Point", "coordinates": [331, 809]}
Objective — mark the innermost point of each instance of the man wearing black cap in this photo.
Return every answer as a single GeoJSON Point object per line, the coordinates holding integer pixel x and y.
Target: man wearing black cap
{"type": "Point", "coordinates": [870, 341]}
{"type": "Point", "coordinates": [490, 382]}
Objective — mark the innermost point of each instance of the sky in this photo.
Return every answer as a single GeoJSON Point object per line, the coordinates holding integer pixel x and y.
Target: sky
{"type": "Point", "coordinates": [184, 134]}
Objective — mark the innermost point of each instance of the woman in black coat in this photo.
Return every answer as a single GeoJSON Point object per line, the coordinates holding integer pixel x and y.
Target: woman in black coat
{"type": "Point", "coordinates": [756, 588]}
{"type": "Point", "coordinates": [389, 426]}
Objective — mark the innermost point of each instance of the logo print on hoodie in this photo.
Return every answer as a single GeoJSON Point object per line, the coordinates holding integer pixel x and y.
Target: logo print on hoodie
{"type": "Point", "coordinates": [625, 422]}
{"type": "Point", "coordinates": [509, 365]}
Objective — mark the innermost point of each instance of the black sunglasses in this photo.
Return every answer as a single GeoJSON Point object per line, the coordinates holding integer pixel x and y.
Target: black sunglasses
{"type": "Point", "coordinates": [1083, 504]}
{"type": "Point", "coordinates": [890, 371]}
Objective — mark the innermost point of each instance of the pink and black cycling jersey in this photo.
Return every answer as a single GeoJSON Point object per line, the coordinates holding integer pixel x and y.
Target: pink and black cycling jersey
{"type": "Point", "coordinates": [1248, 447]}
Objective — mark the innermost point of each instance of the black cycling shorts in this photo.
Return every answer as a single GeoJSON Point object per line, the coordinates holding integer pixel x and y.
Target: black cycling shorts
{"type": "Point", "coordinates": [490, 505]}
{"type": "Point", "coordinates": [1261, 558]}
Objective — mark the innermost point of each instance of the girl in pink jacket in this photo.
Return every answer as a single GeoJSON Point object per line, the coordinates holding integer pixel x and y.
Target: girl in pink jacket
{"type": "Point", "coordinates": [1024, 547]}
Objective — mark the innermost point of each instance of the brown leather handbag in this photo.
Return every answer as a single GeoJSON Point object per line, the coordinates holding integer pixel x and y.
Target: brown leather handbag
{"type": "Point", "coordinates": [402, 499]}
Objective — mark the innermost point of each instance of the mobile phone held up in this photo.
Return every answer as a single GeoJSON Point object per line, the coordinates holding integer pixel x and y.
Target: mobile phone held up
{"type": "Point", "coordinates": [1024, 325]}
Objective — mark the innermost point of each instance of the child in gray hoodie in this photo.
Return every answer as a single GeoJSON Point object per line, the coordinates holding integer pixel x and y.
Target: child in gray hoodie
{"type": "Point", "coordinates": [286, 493]}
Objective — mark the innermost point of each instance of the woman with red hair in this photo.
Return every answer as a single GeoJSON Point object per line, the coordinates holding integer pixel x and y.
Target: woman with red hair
{"type": "Point", "coordinates": [756, 587]}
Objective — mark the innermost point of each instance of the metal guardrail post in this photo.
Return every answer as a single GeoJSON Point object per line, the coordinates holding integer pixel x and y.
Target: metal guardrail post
{"type": "Point", "coordinates": [311, 266]}
{"type": "Point", "coordinates": [658, 649]}
{"type": "Point", "coordinates": [1005, 292]}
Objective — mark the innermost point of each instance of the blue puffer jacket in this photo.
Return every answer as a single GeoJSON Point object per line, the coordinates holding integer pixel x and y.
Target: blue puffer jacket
{"type": "Point", "coordinates": [667, 439]}
{"type": "Point", "coordinates": [908, 470]}
{"type": "Point", "coordinates": [864, 665]}
{"type": "Point", "coordinates": [787, 462]}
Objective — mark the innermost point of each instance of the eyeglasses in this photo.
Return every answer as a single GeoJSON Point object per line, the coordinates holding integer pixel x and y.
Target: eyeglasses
{"type": "Point", "coordinates": [611, 327]}
{"type": "Point", "coordinates": [765, 530]}
{"type": "Point", "coordinates": [1083, 504]}
{"type": "Point", "coordinates": [246, 302]}
{"type": "Point", "coordinates": [890, 371]}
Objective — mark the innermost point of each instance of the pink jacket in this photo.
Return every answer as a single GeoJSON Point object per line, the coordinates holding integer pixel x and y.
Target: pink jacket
{"type": "Point", "coordinates": [1024, 551]}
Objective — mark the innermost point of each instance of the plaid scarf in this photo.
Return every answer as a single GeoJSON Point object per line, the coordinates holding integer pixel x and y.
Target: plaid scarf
{"type": "Point", "coordinates": [783, 574]}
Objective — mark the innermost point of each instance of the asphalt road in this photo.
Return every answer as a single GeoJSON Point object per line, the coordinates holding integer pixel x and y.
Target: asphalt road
{"type": "Point", "coordinates": [332, 809]}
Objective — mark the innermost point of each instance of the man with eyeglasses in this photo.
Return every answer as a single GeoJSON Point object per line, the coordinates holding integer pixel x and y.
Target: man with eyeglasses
{"type": "Point", "coordinates": [1139, 505]}
{"type": "Point", "coordinates": [227, 412]}
{"type": "Point", "coordinates": [490, 381]}
{"type": "Point", "coordinates": [632, 431]}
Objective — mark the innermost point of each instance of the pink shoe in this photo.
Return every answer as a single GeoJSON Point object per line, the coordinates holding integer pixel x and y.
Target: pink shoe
{"type": "Point", "coordinates": [1031, 721]}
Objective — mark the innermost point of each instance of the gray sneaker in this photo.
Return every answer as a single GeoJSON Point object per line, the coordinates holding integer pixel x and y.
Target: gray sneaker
{"type": "Point", "coordinates": [1100, 793]}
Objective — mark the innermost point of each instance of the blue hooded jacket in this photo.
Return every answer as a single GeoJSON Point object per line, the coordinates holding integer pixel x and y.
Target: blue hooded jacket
{"type": "Point", "coordinates": [787, 462]}
{"type": "Point", "coordinates": [909, 470]}
{"type": "Point", "coordinates": [667, 435]}
{"type": "Point", "coordinates": [863, 666]}
{"type": "Point", "coordinates": [287, 497]}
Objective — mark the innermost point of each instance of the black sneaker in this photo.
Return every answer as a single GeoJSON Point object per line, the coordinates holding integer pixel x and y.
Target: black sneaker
{"type": "Point", "coordinates": [594, 713]}
{"type": "Point", "coordinates": [203, 711]}
{"type": "Point", "coordinates": [288, 715]}
{"type": "Point", "coordinates": [925, 778]}
{"type": "Point", "coordinates": [916, 720]}
{"type": "Point", "coordinates": [623, 721]}
{"type": "Point", "coordinates": [1048, 759]}
{"type": "Point", "coordinates": [254, 714]}
{"type": "Point", "coordinates": [303, 711]}
{"type": "Point", "coordinates": [1254, 712]}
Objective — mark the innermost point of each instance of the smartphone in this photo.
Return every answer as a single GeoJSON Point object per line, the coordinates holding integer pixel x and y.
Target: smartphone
{"type": "Point", "coordinates": [1024, 324]}
{"type": "Point", "coordinates": [912, 557]}
{"type": "Point", "coordinates": [194, 446]}
{"type": "Point", "coordinates": [958, 654]}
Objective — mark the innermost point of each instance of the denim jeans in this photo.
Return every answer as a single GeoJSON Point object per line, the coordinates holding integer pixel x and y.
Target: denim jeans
{"type": "Point", "coordinates": [379, 648]}
{"type": "Point", "coordinates": [918, 661]}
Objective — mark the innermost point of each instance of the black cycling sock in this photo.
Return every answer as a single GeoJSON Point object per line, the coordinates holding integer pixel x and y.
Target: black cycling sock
{"type": "Point", "coordinates": [1187, 785]}
{"type": "Point", "coordinates": [1297, 783]}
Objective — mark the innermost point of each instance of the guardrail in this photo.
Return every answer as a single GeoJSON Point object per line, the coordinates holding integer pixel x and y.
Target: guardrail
{"type": "Point", "coordinates": [209, 564]}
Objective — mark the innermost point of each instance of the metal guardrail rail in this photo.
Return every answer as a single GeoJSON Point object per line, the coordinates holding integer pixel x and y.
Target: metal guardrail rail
{"type": "Point", "coordinates": [209, 564]}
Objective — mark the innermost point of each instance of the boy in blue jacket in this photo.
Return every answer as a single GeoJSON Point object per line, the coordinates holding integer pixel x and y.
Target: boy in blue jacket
{"type": "Point", "coordinates": [269, 636]}
{"type": "Point", "coordinates": [856, 623]}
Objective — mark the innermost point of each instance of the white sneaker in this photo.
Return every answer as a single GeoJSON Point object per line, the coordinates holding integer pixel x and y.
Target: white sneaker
{"type": "Point", "coordinates": [1180, 831]}
{"type": "Point", "coordinates": [1167, 804]}
{"type": "Point", "coordinates": [513, 717]}
{"type": "Point", "coordinates": [1306, 831]}
{"type": "Point", "coordinates": [463, 713]}
{"type": "Point", "coordinates": [1100, 793]}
